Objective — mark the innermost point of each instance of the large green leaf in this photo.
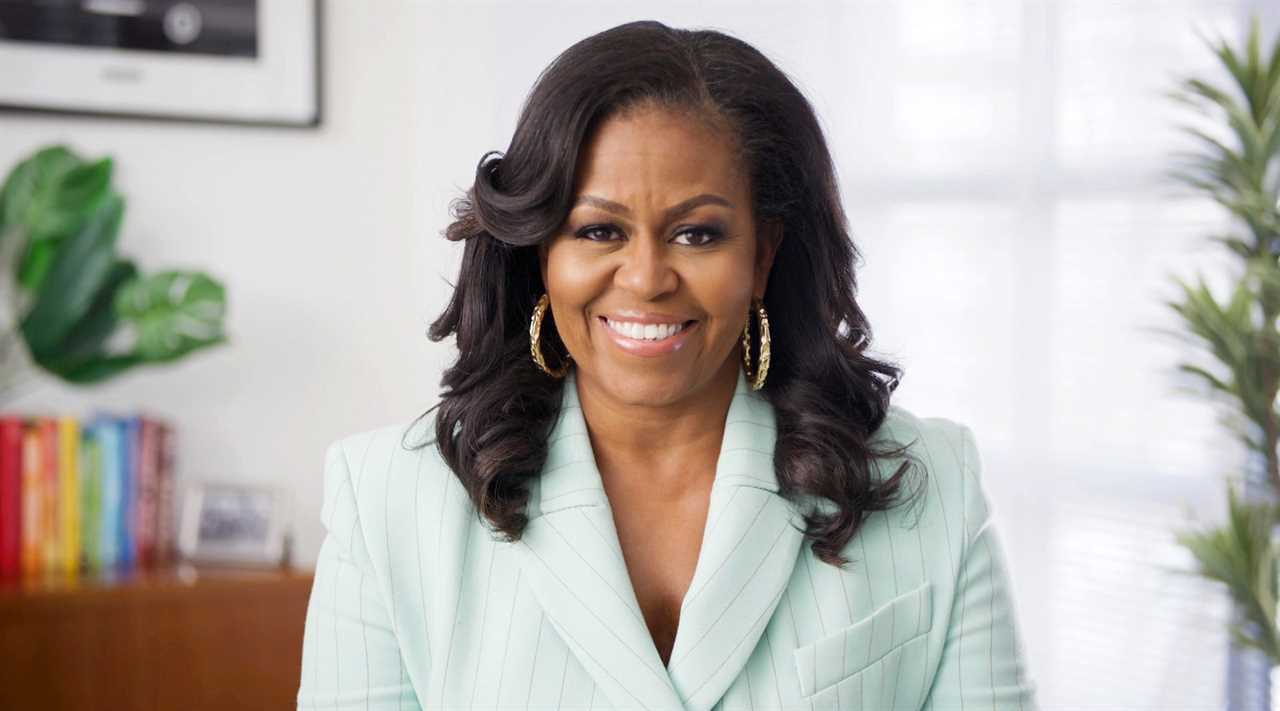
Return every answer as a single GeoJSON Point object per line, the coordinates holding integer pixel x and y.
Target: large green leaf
{"type": "Point", "coordinates": [29, 189]}
{"type": "Point", "coordinates": [75, 200]}
{"type": "Point", "coordinates": [50, 197]}
{"type": "Point", "coordinates": [87, 340]}
{"type": "Point", "coordinates": [60, 220]}
{"type": "Point", "coordinates": [175, 312]}
{"type": "Point", "coordinates": [75, 276]}
{"type": "Point", "coordinates": [100, 369]}
{"type": "Point", "coordinates": [54, 199]}
{"type": "Point", "coordinates": [36, 262]}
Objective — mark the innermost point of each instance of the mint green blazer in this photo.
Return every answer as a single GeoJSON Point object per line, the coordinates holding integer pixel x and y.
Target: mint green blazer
{"type": "Point", "coordinates": [417, 604]}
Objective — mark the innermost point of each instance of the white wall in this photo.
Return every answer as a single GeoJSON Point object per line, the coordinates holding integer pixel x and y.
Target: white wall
{"type": "Point", "coordinates": [1000, 161]}
{"type": "Point", "coordinates": [319, 238]}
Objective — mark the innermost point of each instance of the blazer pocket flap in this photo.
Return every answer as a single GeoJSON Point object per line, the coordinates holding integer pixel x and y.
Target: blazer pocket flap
{"type": "Point", "coordinates": [851, 649]}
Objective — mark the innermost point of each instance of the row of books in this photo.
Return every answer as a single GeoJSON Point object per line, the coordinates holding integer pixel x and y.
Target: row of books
{"type": "Point", "coordinates": [85, 496]}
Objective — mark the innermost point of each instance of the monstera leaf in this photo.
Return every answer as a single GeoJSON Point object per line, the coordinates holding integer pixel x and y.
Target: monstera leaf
{"type": "Point", "coordinates": [76, 274]}
{"type": "Point", "coordinates": [48, 198]}
{"type": "Point", "coordinates": [83, 313]}
{"type": "Point", "coordinates": [166, 316]}
{"type": "Point", "coordinates": [87, 341]}
{"type": "Point", "coordinates": [174, 313]}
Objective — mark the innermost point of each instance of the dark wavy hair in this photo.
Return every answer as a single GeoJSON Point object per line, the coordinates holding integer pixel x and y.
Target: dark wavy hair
{"type": "Point", "coordinates": [497, 408]}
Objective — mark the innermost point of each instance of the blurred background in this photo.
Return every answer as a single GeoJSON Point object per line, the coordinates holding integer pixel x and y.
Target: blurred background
{"type": "Point", "coordinates": [1004, 164]}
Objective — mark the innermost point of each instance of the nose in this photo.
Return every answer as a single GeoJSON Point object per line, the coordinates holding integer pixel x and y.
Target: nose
{"type": "Point", "coordinates": [645, 271]}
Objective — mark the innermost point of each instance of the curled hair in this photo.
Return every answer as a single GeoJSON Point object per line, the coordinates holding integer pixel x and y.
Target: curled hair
{"type": "Point", "coordinates": [497, 408]}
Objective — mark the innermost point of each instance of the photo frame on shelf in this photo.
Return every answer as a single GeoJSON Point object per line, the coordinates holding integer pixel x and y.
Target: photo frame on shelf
{"type": "Point", "coordinates": [248, 62]}
{"type": "Point", "coordinates": [228, 523]}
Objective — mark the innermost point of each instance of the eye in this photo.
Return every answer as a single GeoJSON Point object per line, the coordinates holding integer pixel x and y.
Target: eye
{"type": "Point", "coordinates": [702, 235]}
{"type": "Point", "coordinates": [698, 235]}
{"type": "Point", "coordinates": [592, 232]}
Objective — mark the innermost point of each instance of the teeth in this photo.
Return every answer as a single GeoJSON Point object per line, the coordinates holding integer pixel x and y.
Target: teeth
{"type": "Point", "coordinates": [645, 332]}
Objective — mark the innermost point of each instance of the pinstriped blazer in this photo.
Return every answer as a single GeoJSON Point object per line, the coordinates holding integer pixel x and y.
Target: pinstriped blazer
{"type": "Point", "coordinates": [417, 604]}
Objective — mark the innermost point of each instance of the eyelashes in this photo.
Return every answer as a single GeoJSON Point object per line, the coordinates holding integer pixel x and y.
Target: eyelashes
{"type": "Point", "coordinates": [699, 235]}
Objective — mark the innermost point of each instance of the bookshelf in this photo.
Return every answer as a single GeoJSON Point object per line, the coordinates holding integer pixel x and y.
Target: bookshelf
{"type": "Point", "coordinates": [177, 638]}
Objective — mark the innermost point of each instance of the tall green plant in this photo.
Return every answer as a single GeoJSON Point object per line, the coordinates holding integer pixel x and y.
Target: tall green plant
{"type": "Point", "coordinates": [1237, 164]}
{"type": "Point", "coordinates": [71, 304]}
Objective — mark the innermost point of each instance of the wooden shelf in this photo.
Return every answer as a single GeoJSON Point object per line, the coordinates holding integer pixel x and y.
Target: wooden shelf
{"type": "Point", "coordinates": [178, 638]}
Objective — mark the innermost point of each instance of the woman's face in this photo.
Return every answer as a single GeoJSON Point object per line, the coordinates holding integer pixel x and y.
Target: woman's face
{"type": "Point", "coordinates": [662, 232]}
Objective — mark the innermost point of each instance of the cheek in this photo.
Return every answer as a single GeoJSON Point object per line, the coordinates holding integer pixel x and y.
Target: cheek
{"type": "Point", "coordinates": [570, 279]}
{"type": "Point", "coordinates": [724, 288]}
{"type": "Point", "coordinates": [573, 284]}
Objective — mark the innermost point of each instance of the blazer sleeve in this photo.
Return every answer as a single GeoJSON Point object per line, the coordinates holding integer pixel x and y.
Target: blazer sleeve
{"type": "Point", "coordinates": [350, 654]}
{"type": "Point", "coordinates": [982, 664]}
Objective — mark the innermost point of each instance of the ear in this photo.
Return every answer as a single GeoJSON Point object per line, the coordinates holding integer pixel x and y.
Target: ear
{"type": "Point", "coordinates": [768, 241]}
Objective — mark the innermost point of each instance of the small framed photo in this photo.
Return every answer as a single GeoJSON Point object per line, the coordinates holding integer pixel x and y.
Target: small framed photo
{"type": "Point", "coordinates": [251, 62]}
{"type": "Point", "coordinates": [235, 524]}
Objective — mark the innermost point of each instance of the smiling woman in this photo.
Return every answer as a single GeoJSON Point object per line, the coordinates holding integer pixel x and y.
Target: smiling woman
{"type": "Point", "coordinates": [664, 471]}
{"type": "Point", "coordinates": [658, 243]}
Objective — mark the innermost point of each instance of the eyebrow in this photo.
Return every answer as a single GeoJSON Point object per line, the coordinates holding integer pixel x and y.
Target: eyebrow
{"type": "Point", "coordinates": [671, 213]}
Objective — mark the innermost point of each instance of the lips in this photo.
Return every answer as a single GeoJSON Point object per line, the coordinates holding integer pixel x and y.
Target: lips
{"type": "Point", "coordinates": [647, 319]}
{"type": "Point", "coordinates": [646, 348]}
{"type": "Point", "coordinates": [645, 331]}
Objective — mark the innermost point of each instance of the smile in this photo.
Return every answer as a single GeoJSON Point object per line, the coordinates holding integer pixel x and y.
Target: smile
{"type": "Point", "coordinates": [648, 339]}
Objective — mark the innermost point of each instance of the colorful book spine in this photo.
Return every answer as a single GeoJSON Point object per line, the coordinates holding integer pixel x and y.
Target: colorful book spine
{"type": "Point", "coordinates": [10, 497]}
{"type": "Point", "coordinates": [91, 499]}
{"type": "Point", "coordinates": [68, 439]}
{"type": "Point", "coordinates": [51, 525]}
{"type": "Point", "coordinates": [128, 545]}
{"type": "Point", "coordinates": [85, 496]}
{"type": "Point", "coordinates": [148, 493]}
{"type": "Point", "coordinates": [32, 501]}
{"type": "Point", "coordinates": [108, 434]}
{"type": "Point", "coordinates": [166, 514]}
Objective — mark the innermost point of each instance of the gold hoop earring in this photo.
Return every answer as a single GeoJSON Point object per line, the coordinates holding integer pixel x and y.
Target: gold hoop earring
{"type": "Point", "coordinates": [535, 335]}
{"type": "Point", "coordinates": [762, 317]}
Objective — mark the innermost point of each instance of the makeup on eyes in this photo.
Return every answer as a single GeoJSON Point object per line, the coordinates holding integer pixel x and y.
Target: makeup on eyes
{"type": "Point", "coordinates": [709, 233]}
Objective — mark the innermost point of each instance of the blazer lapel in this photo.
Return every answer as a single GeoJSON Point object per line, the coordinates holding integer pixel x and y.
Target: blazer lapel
{"type": "Point", "coordinates": [749, 549]}
{"type": "Point", "coordinates": [571, 557]}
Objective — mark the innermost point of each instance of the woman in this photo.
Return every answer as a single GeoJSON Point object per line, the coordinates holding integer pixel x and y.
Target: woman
{"type": "Point", "coordinates": [664, 473]}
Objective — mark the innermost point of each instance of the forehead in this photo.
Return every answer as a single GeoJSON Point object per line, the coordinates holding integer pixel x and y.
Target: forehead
{"type": "Point", "coordinates": [659, 153]}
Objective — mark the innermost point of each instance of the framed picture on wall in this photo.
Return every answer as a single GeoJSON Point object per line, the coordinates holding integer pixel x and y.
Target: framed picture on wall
{"type": "Point", "coordinates": [230, 61]}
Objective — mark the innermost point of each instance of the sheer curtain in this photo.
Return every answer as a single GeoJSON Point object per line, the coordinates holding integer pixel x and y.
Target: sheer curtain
{"type": "Point", "coordinates": [1002, 165]}
{"type": "Point", "coordinates": [1020, 239]}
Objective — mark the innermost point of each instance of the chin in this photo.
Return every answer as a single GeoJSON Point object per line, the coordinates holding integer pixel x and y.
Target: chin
{"type": "Point", "coordinates": [643, 388]}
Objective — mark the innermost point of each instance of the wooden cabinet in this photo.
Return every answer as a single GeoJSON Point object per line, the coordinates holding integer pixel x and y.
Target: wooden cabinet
{"type": "Point", "coordinates": [182, 638]}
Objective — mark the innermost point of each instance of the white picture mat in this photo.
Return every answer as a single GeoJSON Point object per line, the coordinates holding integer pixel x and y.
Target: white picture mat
{"type": "Point", "coordinates": [278, 86]}
{"type": "Point", "coordinates": [267, 551]}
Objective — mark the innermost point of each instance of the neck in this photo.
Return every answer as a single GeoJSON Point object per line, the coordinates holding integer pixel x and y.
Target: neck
{"type": "Point", "coordinates": [662, 451]}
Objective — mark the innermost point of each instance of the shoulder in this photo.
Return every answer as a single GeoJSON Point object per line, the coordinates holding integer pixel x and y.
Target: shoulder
{"type": "Point", "coordinates": [942, 445]}
{"type": "Point", "coordinates": [378, 470]}
{"type": "Point", "coordinates": [366, 454]}
{"type": "Point", "coordinates": [389, 495]}
{"type": "Point", "coordinates": [946, 477]}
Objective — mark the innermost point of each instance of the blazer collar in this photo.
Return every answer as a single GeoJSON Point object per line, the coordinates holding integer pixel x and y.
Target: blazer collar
{"type": "Point", "coordinates": [571, 556]}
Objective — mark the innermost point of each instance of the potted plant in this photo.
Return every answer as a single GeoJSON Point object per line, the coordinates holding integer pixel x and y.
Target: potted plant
{"type": "Point", "coordinates": [1237, 164]}
{"type": "Point", "coordinates": [70, 306]}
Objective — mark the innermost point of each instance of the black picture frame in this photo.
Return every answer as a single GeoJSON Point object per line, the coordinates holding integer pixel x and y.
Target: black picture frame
{"type": "Point", "coordinates": [26, 55]}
